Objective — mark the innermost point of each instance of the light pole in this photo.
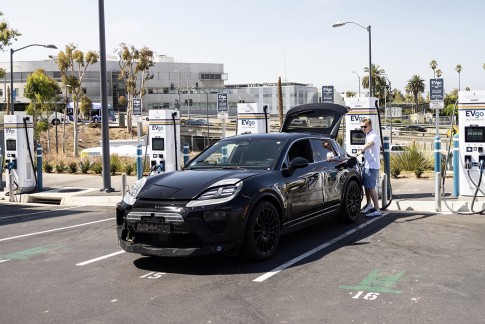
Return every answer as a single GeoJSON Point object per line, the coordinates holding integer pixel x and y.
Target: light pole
{"type": "Point", "coordinates": [388, 87]}
{"type": "Point", "coordinates": [368, 28]}
{"type": "Point", "coordinates": [359, 81]}
{"type": "Point", "coordinates": [207, 106]}
{"type": "Point", "coordinates": [12, 96]}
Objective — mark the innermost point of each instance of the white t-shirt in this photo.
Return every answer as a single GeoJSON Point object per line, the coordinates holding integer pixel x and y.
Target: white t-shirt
{"type": "Point", "coordinates": [372, 156]}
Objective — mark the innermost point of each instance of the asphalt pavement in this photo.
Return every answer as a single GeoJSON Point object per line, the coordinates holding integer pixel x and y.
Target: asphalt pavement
{"type": "Point", "coordinates": [408, 193]}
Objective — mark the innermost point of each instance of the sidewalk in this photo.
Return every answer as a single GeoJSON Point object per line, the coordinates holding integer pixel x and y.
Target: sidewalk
{"type": "Point", "coordinates": [408, 194]}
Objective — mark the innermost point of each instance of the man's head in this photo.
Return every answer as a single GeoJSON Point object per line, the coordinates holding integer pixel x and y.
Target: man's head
{"type": "Point", "coordinates": [366, 125]}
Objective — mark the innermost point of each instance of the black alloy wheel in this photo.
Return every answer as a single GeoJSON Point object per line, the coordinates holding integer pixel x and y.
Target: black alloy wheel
{"type": "Point", "coordinates": [262, 232]}
{"type": "Point", "coordinates": [351, 201]}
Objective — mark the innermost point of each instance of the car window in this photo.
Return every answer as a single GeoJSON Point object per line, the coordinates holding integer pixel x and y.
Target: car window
{"type": "Point", "coordinates": [302, 149]}
{"type": "Point", "coordinates": [247, 153]}
{"type": "Point", "coordinates": [322, 150]}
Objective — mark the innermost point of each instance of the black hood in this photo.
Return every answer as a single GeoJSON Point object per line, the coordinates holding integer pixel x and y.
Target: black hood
{"type": "Point", "coordinates": [188, 184]}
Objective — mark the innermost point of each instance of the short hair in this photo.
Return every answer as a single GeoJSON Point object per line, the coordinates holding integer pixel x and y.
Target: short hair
{"type": "Point", "coordinates": [366, 120]}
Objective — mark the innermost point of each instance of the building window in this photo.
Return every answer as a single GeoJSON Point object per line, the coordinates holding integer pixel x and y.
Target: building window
{"type": "Point", "coordinates": [211, 76]}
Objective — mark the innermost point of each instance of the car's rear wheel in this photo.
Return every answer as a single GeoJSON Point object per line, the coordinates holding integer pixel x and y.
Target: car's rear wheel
{"type": "Point", "coordinates": [351, 201]}
{"type": "Point", "coordinates": [262, 232]}
{"type": "Point", "coordinates": [56, 121]}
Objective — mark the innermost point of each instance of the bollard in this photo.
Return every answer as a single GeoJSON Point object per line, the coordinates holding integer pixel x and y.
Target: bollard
{"type": "Point", "coordinates": [456, 166]}
{"type": "Point", "coordinates": [1, 169]}
{"type": "Point", "coordinates": [437, 189]}
{"type": "Point", "coordinates": [11, 197]}
{"type": "Point", "coordinates": [437, 153]}
{"type": "Point", "coordinates": [387, 162]}
{"type": "Point", "coordinates": [123, 185]}
{"type": "Point", "coordinates": [39, 167]}
{"type": "Point", "coordinates": [384, 191]}
{"type": "Point", "coordinates": [139, 166]}
{"type": "Point", "coordinates": [186, 153]}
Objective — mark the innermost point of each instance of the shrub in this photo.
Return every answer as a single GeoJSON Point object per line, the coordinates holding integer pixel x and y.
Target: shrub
{"type": "Point", "coordinates": [395, 172]}
{"type": "Point", "coordinates": [115, 164]}
{"type": "Point", "coordinates": [97, 167]}
{"type": "Point", "coordinates": [48, 167]}
{"type": "Point", "coordinates": [72, 167]}
{"type": "Point", "coordinates": [412, 159]}
{"type": "Point", "coordinates": [128, 167]}
{"type": "Point", "coordinates": [60, 167]}
{"type": "Point", "coordinates": [418, 172]}
{"type": "Point", "coordinates": [84, 166]}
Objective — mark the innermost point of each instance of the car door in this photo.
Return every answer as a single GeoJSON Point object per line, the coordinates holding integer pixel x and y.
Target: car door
{"type": "Point", "coordinates": [303, 187]}
{"type": "Point", "coordinates": [327, 157]}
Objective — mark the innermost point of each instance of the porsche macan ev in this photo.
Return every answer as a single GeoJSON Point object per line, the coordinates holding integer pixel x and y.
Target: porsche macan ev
{"type": "Point", "coordinates": [242, 193]}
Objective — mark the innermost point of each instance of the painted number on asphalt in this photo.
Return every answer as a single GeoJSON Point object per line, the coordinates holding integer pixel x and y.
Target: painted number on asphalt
{"type": "Point", "coordinates": [153, 275]}
{"type": "Point", "coordinates": [378, 281]}
{"type": "Point", "coordinates": [4, 260]}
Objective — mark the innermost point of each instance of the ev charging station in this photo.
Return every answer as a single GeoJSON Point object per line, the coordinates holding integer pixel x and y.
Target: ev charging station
{"type": "Point", "coordinates": [361, 107]}
{"type": "Point", "coordinates": [471, 130]}
{"type": "Point", "coordinates": [252, 119]}
{"type": "Point", "coordinates": [19, 150]}
{"type": "Point", "coordinates": [164, 140]}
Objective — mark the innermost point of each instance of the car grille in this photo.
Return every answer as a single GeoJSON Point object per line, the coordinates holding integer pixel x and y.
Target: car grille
{"type": "Point", "coordinates": [168, 240]}
{"type": "Point", "coordinates": [167, 217]}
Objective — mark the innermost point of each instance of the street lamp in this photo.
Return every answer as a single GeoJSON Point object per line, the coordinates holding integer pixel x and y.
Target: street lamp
{"type": "Point", "coordinates": [207, 106]}
{"type": "Point", "coordinates": [359, 81]}
{"type": "Point", "coordinates": [368, 28]}
{"type": "Point", "coordinates": [12, 96]}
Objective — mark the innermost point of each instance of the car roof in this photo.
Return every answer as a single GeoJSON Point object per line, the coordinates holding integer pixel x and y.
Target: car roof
{"type": "Point", "coordinates": [282, 136]}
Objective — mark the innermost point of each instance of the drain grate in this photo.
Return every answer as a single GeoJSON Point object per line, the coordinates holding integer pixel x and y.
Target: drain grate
{"type": "Point", "coordinates": [45, 200]}
{"type": "Point", "coordinates": [71, 190]}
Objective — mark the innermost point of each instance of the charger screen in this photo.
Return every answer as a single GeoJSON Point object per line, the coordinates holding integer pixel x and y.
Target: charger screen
{"type": "Point", "coordinates": [474, 134]}
{"type": "Point", "coordinates": [158, 144]}
{"type": "Point", "coordinates": [11, 145]}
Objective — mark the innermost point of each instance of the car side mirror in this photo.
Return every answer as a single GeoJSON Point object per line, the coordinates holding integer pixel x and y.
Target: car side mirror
{"type": "Point", "coordinates": [296, 163]}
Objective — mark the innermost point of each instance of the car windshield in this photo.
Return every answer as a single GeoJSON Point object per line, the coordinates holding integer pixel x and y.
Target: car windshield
{"type": "Point", "coordinates": [237, 152]}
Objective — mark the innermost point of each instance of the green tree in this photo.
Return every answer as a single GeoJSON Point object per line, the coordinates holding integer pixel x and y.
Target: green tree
{"type": "Point", "coordinates": [433, 66]}
{"type": "Point", "coordinates": [350, 94]}
{"type": "Point", "coordinates": [42, 92]}
{"type": "Point", "coordinates": [415, 86]}
{"type": "Point", "coordinates": [134, 64]}
{"type": "Point", "coordinates": [450, 101]}
{"type": "Point", "coordinates": [378, 80]}
{"type": "Point", "coordinates": [7, 34]}
{"type": "Point", "coordinates": [458, 69]}
{"type": "Point", "coordinates": [73, 64]}
{"type": "Point", "coordinates": [397, 96]}
{"type": "Point", "coordinates": [85, 107]}
{"type": "Point", "coordinates": [438, 73]}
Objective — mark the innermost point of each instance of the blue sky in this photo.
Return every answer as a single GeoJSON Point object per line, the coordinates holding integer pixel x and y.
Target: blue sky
{"type": "Point", "coordinates": [260, 40]}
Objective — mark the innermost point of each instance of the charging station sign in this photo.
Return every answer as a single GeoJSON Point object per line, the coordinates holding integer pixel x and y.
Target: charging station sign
{"type": "Point", "coordinates": [137, 105]}
{"type": "Point", "coordinates": [437, 92]}
{"type": "Point", "coordinates": [222, 102]}
{"type": "Point", "coordinates": [328, 94]}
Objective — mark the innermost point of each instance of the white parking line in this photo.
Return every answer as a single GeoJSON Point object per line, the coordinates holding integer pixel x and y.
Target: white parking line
{"type": "Point", "coordinates": [100, 258]}
{"type": "Point", "coordinates": [315, 250]}
{"type": "Point", "coordinates": [56, 229]}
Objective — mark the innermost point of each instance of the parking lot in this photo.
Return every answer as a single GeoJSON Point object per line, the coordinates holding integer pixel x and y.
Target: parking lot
{"type": "Point", "coordinates": [63, 264]}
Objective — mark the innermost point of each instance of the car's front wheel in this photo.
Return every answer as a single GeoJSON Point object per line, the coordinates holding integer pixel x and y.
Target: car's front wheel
{"type": "Point", "coordinates": [262, 232]}
{"type": "Point", "coordinates": [351, 201]}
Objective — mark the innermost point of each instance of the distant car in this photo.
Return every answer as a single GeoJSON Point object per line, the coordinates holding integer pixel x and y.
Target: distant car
{"type": "Point", "coordinates": [398, 148]}
{"type": "Point", "coordinates": [413, 128]}
{"type": "Point", "coordinates": [196, 122]}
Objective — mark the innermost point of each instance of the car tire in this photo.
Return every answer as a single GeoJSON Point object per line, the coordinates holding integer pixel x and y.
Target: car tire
{"type": "Point", "coordinates": [262, 234]}
{"type": "Point", "coordinates": [351, 201]}
{"type": "Point", "coordinates": [56, 121]}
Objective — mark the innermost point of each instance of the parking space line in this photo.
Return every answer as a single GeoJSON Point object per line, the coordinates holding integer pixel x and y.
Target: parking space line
{"type": "Point", "coordinates": [100, 258]}
{"type": "Point", "coordinates": [314, 250]}
{"type": "Point", "coordinates": [55, 229]}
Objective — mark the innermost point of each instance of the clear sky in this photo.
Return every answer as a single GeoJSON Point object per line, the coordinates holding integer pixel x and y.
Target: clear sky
{"type": "Point", "coordinates": [260, 40]}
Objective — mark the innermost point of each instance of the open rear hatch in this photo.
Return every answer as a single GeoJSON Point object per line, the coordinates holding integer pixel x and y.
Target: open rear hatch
{"type": "Point", "coordinates": [315, 118]}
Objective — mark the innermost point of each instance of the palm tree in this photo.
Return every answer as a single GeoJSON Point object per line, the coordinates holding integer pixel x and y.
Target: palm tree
{"type": "Point", "coordinates": [438, 73]}
{"type": "Point", "coordinates": [458, 69]}
{"type": "Point", "coordinates": [415, 86]}
{"type": "Point", "coordinates": [377, 80]}
{"type": "Point", "coordinates": [433, 66]}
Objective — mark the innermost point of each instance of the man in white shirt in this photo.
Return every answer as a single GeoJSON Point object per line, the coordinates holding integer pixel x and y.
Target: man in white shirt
{"type": "Point", "coordinates": [371, 151]}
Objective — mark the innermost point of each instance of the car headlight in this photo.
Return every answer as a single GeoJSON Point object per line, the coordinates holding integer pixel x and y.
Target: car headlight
{"type": "Point", "coordinates": [218, 193]}
{"type": "Point", "coordinates": [130, 196]}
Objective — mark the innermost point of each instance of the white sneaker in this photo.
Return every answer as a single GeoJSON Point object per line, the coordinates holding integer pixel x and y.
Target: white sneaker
{"type": "Point", "coordinates": [373, 213]}
{"type": "Point", "coordinates": [366, 209]}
